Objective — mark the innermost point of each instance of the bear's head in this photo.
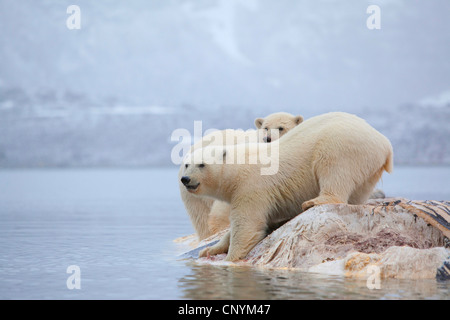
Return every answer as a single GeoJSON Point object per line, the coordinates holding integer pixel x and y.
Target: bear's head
{"type": "Point", "coordinates": [280, 121]}
{"type": "Point", "coordinates": [202, 171]}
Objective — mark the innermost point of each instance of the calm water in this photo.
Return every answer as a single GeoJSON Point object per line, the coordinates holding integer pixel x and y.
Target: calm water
{"type": "Point", "coordinates": [117, 226]}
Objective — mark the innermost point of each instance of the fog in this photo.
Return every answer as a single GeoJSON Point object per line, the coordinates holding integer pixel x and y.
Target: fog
{"type": "Point", "coordinates": [112, 92]}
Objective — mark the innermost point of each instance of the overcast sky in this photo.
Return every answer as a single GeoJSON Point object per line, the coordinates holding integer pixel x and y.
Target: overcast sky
{"type": "Point", "coordinates": [272, 55]}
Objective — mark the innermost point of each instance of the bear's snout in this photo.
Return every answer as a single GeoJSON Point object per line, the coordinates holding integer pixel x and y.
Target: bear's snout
{"type": "Point", "coordinates": [185, 180]}
{"type": "Point", "coordinates": [267, 139]}
{"type": "Point", "coordinates": [190, 186]}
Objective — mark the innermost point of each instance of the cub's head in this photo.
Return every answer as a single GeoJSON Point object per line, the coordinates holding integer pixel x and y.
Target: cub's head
{"type": "Point", "coordinates": [202, 170]}
{"type": "Point", "coordinates": [281, 121]}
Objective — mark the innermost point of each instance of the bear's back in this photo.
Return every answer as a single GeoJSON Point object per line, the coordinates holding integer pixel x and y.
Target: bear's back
{"type": "Point", "coordinates": [333, 125]}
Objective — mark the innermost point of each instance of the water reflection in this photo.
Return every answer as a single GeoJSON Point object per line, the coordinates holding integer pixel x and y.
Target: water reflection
{"type": "Point", "coordinates": [229, 282]}
{"type": "Point", "coordinates": [119, 229]}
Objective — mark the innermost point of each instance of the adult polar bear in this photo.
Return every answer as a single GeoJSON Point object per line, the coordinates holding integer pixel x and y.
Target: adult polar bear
{"type": "Point", "coordinates": [331, 158]}
{"type": "Point", "coordinates": [209, 216]}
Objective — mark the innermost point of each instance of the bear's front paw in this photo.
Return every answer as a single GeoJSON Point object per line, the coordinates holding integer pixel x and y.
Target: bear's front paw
{"type": "Point", "coordinates": [212, 251]}
{"type": "Point", "coordinates": [204, 253]}
{"type": "Point", "coordinates": [232, 258]}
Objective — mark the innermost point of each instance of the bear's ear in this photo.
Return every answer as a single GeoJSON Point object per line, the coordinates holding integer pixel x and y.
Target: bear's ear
{"type": "Point", "coordinates": [298, 119]}
{"type": "Point", "coordinates": [259, 122]}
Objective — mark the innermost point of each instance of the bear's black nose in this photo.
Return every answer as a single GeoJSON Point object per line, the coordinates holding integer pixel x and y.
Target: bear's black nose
{"type": "Point", "coordinates": [267, 139]}
{"type": "Point", "coordinates": [185, 180]}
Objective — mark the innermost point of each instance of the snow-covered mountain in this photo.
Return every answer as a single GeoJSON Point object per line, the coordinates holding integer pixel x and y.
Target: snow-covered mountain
{"type": "Point", "coordinates": [34, 135]}
{"type": "Point", "coordinates": [112, 92]}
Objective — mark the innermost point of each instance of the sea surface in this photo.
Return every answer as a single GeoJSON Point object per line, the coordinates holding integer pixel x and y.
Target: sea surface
{"type": "Point", "coordinates": [108, 234]}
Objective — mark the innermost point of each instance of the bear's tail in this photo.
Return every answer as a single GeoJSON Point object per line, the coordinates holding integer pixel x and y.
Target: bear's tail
{"type": "Point", "coordinates": [389, 164]}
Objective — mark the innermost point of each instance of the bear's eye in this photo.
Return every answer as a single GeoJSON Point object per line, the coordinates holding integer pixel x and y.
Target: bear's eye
{"type": "Point", "coordinates": [267, 129]}
{"type": "Point", "coordinates": [201, 165]}
{"type": "Point", "coordinates": [186, 165]}
{"type": "Point", "coordinates": [281, 128]}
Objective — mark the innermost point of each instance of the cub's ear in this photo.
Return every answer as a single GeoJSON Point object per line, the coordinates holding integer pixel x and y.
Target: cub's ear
{"type": "Point", "coordinates": [298, 119]}
{"type": "Point", "coordinates": [259, 122]}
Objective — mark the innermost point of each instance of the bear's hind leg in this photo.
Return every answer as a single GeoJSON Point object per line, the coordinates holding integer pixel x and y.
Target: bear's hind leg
{"type": "Point", "coordinates": [362, 192]}
{"type": "Point", "coordinates": [336, 186]}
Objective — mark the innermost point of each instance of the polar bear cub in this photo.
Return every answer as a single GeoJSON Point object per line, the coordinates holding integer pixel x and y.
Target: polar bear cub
{"type": "Point", "coordinates": [282, 122]}
{"type": "Point", "coordinates": [332, 158]}
{"type": "Point", "coordinates": [209, 216]}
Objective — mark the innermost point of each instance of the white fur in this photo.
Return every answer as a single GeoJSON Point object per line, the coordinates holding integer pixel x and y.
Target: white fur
{"type": "Point", "coordinates": [331, 158]}
{"type": "Point", "coordinates": [209, 216]}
